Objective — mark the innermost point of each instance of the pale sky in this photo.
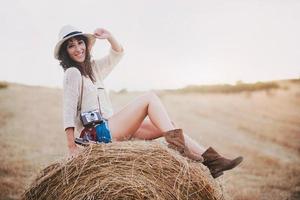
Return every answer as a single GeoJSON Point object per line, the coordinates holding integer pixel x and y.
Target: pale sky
{"type": "Point", "coordinates": [168, 43]}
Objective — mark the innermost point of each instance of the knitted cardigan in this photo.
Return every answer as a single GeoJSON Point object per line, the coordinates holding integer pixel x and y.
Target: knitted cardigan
{"type": "Point", "coordinates": [72, 90]}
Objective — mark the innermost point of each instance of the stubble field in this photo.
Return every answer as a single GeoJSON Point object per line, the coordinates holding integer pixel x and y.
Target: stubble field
{"type": "Point", "coordinates": [264, 127]}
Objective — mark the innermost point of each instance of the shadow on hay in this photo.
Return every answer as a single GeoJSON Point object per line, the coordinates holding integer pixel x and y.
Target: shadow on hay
{"type": "Point", "coordinates": [125, 170]}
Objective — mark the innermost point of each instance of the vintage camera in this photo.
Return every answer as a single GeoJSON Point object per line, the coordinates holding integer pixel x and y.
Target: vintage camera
{"type": "Point", "coordinates": [91, 118]}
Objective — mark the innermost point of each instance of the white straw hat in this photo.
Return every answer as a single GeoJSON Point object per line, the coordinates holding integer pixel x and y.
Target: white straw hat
{"type": "Point", "coordinates": [69, 31]}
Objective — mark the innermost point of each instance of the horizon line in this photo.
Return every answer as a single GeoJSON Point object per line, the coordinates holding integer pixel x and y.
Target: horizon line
{"type": "Point", "coordinates": [160, 89]}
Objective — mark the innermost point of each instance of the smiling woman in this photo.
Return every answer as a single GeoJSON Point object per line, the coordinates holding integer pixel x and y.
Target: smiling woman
{"type": "Point", "coordinates": [88, 110]}
{"type": "Point", "coordinates": [73, 53]}
{"type": "Point", "coordinates": [76, 49]}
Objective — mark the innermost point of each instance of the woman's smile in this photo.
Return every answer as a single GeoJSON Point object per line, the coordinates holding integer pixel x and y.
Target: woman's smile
{"type": "Point", "coordinates": [79, 55]}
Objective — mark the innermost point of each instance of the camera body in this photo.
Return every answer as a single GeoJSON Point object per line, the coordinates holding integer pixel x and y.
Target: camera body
{"type": "Point", "coordinates": [91, 118]}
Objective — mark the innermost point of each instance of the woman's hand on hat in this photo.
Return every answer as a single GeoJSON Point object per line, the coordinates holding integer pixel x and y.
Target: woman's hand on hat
{"type": "Point", "coordinates": [102, 33]}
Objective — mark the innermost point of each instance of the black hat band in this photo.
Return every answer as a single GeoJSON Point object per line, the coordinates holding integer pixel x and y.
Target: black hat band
{"type": "Point", "coordinates": [72, 33]}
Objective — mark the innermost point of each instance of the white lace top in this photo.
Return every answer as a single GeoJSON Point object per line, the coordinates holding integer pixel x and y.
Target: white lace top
{"type": "Point", "coordinates": [72, 88]}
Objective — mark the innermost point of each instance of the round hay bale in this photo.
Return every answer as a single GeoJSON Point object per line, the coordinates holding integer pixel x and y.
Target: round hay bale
{"type": "Point", "coordinates": [125, 170]}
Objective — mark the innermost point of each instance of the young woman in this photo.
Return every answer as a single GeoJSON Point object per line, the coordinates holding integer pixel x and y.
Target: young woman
{"type": "Point", "coordinates": [143, 118]}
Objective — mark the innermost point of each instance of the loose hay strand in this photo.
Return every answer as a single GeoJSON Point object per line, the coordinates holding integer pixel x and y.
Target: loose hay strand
{"type": "Point", "coordinates": [83, 165]}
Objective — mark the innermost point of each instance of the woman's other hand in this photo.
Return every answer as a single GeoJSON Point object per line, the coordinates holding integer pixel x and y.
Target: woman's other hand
{"type": "Point", "coordinates": [74, 151]}
{"type": "Point", "coordinates": [73, 148]}
{"type": "Point", "coordinates": [102, 33]}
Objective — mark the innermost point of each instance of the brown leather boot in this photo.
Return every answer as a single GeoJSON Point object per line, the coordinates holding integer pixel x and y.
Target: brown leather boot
{"type": "Point", "coordinates": [217, 164]}
{"type": "Point", "coordinates": [175, 139]}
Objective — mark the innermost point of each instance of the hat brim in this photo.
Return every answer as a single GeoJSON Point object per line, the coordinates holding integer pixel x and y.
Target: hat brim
{"type": "Point", "coordinates": [91, 38]}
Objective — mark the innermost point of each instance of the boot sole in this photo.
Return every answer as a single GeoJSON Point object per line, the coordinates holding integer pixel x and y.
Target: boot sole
{"type": "Point", "coordinates": [236, 162]}
{"type": "Point", "coordinates": [216, 175]}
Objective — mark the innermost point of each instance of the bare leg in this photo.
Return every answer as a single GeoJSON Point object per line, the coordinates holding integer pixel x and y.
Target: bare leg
{"type": "Point", "coordinates": [147, 131]}
{"type": "Point", "coordinates": [126, 122]}
{"type": "Point", "coordinates": [195, 147]}
{"type": "Point", "coordinates": [130, 122]}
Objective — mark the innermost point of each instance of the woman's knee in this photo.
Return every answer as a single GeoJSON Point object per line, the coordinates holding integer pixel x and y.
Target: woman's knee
{"type": "Point", "coordinates": [151, 96]}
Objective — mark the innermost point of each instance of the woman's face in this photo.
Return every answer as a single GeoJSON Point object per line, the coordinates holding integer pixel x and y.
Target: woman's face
{"type": "Point", "coordinates": [76, 50]}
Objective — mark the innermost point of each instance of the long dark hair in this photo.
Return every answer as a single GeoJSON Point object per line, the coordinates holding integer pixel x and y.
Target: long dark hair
{"type": "Point", "coordinates": [66, 62]}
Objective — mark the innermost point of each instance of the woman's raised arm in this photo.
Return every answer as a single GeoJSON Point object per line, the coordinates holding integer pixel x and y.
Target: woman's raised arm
{"type": "Point", "coordinates": [106, 64]}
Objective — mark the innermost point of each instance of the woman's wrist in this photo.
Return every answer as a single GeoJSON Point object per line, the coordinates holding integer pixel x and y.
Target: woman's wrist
{"type": "Point", "coordinates": [70, 138]}
{"type": "Point", "coordinates": [114, 44]}
{"type": "Point", "coordinates": [71, 145]}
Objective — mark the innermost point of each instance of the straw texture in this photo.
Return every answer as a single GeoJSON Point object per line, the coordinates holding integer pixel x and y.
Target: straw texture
{"type": "Point", "coordinates": [125, 170]}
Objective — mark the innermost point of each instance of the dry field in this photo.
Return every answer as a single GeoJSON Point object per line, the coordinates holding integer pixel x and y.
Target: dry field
{"type": "Point", "coordinates": [264, 127]}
